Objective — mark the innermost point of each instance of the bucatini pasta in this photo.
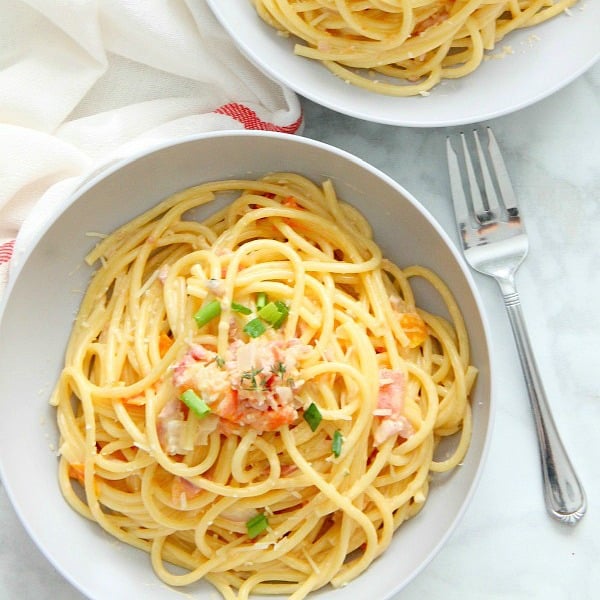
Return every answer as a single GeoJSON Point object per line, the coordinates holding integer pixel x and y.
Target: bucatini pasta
{"type": "Point", "coordinates": [255, 397]}
{"type": "Point", "coordinates": [402, 47]}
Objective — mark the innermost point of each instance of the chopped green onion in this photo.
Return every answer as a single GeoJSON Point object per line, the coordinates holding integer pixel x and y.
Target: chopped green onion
{"type": "Point", "coordinates": [255, 328]}
{"type": "Point", "coordinates": [336, 443]}
{"type": "Point", "coordinates": [270, 313]}
{"type": "Point", "coordinates": [207, 313]}
{"type": "Point", "coordinates": [257, 525]}
{"type": "Point", "coordinates": [284, 311]}
{"type": "Point", "coordinates": [261, 300]}
{"type": "Point", "coordinates": [282, 306]}
{"type": "Point", "coordinates": [195, 403]}
{"type": "Point", "coordinates": [240, 308]}
{"type": "Point", "coordinates": [313, 416]}
{"type": "Point", "coordinates": [274, 313]}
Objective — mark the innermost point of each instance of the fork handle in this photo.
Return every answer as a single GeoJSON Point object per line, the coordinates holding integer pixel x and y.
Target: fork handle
{"type": "Point", "coordinates": [564, 496]}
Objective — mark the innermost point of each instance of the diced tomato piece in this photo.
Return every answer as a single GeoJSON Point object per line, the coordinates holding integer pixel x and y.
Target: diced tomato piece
{"type": "Point", "coordinates": [164, 343]}
{"type": "Point", "coordinates": [77, 472]}
{"type": "Point", "coordinates": [414, 327]}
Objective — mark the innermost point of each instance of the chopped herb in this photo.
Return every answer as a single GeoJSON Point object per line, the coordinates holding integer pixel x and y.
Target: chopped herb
{"type": "Point", "coordinates": [218, 360]}
{"type": "Point", "coordinates": [336, 443]}
{"type": "Point", "coordinates": [269, 313]}
{"type": "Point", "coordinates": [313, 416]}
{"type": "Point", "coordinates": [255, 328]}
{"type": "Point", "coordinates": [274, 313]}
{"type": "Point", "coordinates": [282, 306]}
{"type": "Point", "coordinates": [251, 377]}
{"type": "Point", "coordinates": [207, 313]}
{"type": "Point", "coordinates": [261, 300]}
{"type": "Point", "coordinates": [284, 311]}
{"type": "Point", "coordinates": [278, 369]}
{"type": "Point", "coordinates": [240, 308]}
{"type": "Point", "coordinates": [257, 525]}
{"type": "Point", "coordinates": [195, 403]}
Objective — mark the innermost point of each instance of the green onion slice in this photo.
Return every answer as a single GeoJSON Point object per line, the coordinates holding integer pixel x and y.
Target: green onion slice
{"type": "Point", "coordinates": [336, 443]}
{"type": "Point", "coordinates": [240, 308]}
{"type": "Point", "coordinates": [284, 311]}
{"type": "Point", "coordinates": [257, 525]}
{"type": "Point", "coordinates": [270, 313]}
{"type": "Point", "coordinates": [195, 403]}
{"type": "Point", "coordinates": [261, 300]}
{"type": "Point", "coordinates": [312, 415]}
{"type": "Point", "coordinates": [207, 313]}
{"type": "Point", "coordinates": [274, 313]}
{"type": "Point", "coordinates": [255, 328]}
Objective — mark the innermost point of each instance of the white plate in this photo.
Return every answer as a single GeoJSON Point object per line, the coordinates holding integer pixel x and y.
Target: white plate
{"type": "Point", "coordinates": [544, 59]}
{"type": "Point", "coordinates": [44, 294]}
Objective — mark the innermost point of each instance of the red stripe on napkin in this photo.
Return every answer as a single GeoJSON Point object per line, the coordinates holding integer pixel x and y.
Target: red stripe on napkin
{"type": "Point", "coordinates": [6, 251]}
{"type": "Point", "coordinates": [250, 120]}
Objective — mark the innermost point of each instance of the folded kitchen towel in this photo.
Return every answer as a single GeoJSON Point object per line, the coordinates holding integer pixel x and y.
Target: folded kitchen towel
{"type": "Point", "coordinates": [83, 82]}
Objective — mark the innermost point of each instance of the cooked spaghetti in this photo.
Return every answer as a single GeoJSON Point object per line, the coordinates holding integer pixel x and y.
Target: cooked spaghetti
{"type": "Point", "coordinates": [402, 47]}
{"type": "Point", "coordinates": [254, 397]}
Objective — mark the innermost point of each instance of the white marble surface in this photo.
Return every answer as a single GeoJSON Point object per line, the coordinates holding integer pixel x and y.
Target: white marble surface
{"type": "Point", "coordinates": [506, 546]}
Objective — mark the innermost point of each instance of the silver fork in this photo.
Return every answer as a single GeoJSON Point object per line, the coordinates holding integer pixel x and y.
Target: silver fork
{"type": "Point", "coordinates": [495, 243]}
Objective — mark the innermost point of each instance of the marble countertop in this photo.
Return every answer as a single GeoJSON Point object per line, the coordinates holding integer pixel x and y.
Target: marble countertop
{"type": "Point", "coordinates": [506, 546]}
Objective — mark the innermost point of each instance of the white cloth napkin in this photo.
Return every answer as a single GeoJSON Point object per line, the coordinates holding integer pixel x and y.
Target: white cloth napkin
{"type": "Point", "coordinates": [85, 81]}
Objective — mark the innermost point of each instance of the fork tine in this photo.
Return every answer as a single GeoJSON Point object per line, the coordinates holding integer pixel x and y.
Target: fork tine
{"type": "Point", "coordinates": [488, 184]}
{"type": "Point", "coordinates": [506, 190]}
{"type": "Point", "coordinates": [461, 208]}
{"type": "Point", "coordinates": [479, 210]}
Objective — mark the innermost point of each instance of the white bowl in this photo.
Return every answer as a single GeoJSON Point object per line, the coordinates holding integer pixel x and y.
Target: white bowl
{"type": "Point", "coordinates": [44, 295]}
{"type": "Point", "coordinates": [528, 65]}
